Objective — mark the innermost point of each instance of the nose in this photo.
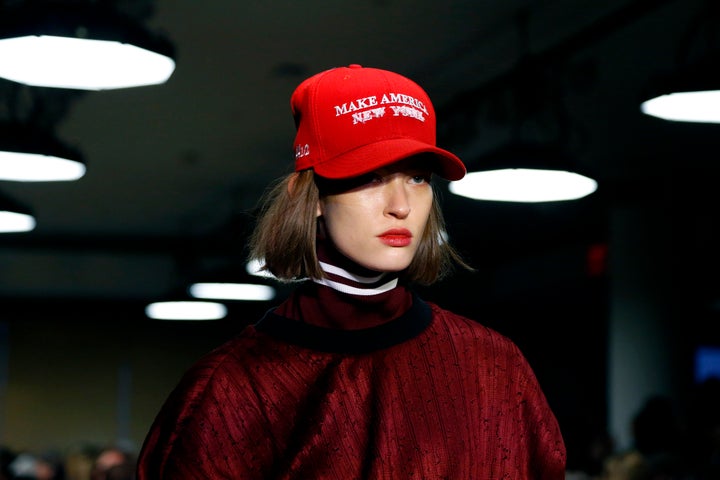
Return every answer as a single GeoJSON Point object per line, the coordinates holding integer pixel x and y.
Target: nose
{"type": "Point", "coordinates": [397, 200]}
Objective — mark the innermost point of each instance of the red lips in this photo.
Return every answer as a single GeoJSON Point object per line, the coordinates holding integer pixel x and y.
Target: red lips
{"type": "Point", "coordinates": [396, 237]}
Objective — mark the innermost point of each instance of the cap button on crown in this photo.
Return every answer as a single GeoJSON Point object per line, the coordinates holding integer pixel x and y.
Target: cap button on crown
{"type": "Point", "coordinates": [354, 65]}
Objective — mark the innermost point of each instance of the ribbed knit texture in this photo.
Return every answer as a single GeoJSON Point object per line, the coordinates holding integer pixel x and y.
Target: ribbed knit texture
{"type": "Point", "coordinates": [426, 395]}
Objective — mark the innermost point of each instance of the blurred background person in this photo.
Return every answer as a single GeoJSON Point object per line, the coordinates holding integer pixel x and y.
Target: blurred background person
{"type": "Point", "coordinates": [114, 463]}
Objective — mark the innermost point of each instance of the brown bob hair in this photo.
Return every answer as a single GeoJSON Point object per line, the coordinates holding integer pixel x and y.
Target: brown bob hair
{"type": "Point", "coordinates": [284, 238]}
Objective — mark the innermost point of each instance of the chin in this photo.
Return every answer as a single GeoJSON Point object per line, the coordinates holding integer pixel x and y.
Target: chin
{"type": "Point", "coordinates": [390, 265]}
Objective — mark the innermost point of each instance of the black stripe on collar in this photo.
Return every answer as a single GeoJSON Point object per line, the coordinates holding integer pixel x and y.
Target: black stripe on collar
{"type": "Point", "coordinates": [408, 325]}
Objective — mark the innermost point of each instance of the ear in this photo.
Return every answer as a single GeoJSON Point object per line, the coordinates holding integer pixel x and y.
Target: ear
{"type": "Point", "coordinates": [318, 212]}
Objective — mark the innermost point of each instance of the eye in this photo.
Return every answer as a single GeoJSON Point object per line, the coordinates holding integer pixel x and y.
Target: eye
{"type": "Point", "coordinates": [373, 179]}
{"type": "Point", "coordinates": [334, 187]}
{"type": "Point", "coordinates": [421, 178]}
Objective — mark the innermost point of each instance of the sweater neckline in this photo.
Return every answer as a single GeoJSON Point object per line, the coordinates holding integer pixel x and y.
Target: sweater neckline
{"type": "Point", "coordinates": [364, 340]}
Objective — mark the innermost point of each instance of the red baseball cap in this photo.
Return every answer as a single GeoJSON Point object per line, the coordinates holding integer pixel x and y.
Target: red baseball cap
{"type": "Point", "coordinates": [353, 120]}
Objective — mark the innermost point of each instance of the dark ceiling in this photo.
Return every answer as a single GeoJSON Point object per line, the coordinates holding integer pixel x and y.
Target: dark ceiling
{"type": "Point", "coordinates": [174, 170]}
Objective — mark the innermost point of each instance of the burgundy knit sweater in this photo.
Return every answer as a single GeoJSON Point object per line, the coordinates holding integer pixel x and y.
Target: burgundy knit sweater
{"type": "Point", "coordinates": [365, 383]}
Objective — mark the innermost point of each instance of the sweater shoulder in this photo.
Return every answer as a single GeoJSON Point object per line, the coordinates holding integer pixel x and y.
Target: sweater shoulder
{"type": "Point", "coordinates": [460, 321]}
{"type": "Point", "coordinates": [474, 332]}
{"type": "Point", "coordinates": [234, 352]}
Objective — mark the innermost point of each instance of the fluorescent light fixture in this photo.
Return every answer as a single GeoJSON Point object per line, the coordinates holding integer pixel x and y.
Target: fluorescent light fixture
{"type": "Point", "coordinates": [526, 172]}
{"type": "Point", "coordinates": [14, 217]}
{"type": "Point", "coordinates": [35, 167]}
{"type": "Point", "coordinates": [13, 222]}
{"type": "Point", "coordinates": [523, 185]}
{"type": "Point", "coordinates": [690, 92]}
{"type": "Point", "coordinates": [85, 64]}
{"type": "Point", "coordinates": [232, 291]}
{"type": "Point", "coordinates": [88, 47]}
{"type": "Point", "coordinates": [185, 310]}
{"type": "Point", "coordinates": [28, 154]}
{"type": "Point", "coordinates": [699, 106]}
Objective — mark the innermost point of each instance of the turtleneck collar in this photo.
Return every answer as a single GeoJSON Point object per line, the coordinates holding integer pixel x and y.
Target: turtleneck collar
{"type": "Point", "coordinates": [346, 276]}
{"type": "Point", "coordinates": [350, 297]}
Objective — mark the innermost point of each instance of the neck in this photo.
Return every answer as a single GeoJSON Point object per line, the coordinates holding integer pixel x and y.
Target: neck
{"type": "Point", "coordinates": [347, 276]}
{"type": "Point", "coordinates": [349, 297]}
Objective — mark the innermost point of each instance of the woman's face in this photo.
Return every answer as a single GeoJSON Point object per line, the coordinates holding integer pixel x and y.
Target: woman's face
{"type": "Point", "coordinates": [377, 220]}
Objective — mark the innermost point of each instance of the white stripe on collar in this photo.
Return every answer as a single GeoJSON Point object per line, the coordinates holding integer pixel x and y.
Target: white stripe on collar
{"type": "Point", "coordinates": [341, 287]}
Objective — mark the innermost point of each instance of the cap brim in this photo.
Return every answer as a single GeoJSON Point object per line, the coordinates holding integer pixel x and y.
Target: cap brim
{"type": "Point", "coordinates": [380, 154]}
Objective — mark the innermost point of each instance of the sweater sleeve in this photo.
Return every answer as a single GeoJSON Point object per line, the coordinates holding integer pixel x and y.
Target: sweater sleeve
{"type": "Point", "coordinates": [519, 432]}
{"type": "Point", "coordinates": [176, 446]}
{"type": "Point", "coordinates": [547, 454]}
